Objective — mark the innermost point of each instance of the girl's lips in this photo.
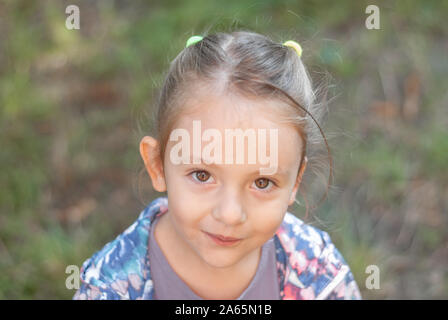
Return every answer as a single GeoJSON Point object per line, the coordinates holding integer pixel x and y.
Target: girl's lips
{"type": "Point", "coordinates": [221, 240]}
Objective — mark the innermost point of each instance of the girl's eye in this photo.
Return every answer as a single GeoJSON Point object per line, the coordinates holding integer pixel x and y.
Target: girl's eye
{"type": "Point", "coordinates": [263, 183]}
{"type": "Point", "coordinates": [201, 176]}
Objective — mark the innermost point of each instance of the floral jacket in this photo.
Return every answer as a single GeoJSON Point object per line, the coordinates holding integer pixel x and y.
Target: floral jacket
{"type": "Point", "coordinates": [308, 264]}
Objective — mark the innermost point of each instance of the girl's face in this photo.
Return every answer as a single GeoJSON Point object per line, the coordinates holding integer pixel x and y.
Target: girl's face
{"type": "Point", "coordinates": [231, 200]}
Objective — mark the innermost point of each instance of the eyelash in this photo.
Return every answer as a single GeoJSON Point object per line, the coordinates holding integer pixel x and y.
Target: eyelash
{"type": "Point", "coordinates": [266, 190]}
{"type": "Point", "coordinates": [195, 179]}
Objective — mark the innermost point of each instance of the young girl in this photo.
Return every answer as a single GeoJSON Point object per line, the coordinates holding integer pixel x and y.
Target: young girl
{"type": "Point", "coordinates": [223, 231]}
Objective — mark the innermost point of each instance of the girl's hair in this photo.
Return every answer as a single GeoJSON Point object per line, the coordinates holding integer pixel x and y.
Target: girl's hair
{"type": "Point", "coordinates": [250, 64]}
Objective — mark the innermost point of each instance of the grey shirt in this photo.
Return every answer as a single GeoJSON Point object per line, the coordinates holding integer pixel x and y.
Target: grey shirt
{"type": "Point", "coordinates": [169, 286]}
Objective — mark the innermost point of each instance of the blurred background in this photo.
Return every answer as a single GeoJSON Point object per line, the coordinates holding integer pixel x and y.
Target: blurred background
{"type": "Point", "coordinates": [74, 105]}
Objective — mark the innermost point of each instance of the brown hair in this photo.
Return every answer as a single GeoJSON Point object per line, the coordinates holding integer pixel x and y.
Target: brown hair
{"type": "Point", "coordinates": [252, 64]}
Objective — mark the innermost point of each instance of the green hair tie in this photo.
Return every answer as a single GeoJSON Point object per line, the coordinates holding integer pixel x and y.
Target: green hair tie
{"type": "Point", "coordinates": [193, 40]}
{"type": "Point", "coordinates": [295, 46]}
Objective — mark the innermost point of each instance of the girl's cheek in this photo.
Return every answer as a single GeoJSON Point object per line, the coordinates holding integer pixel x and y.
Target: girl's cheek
{"type": "Point", "coordinates": [268, 214]}
{"type": "Point", "coordinates": [264, 197]}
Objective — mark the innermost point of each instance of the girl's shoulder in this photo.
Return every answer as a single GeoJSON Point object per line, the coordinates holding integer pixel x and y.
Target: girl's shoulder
{"type": "Point", "coordinates": [313, 268]}
{"type": "Point", "coordinates": [295, 234]}
{"type": "Point", "coordinates": [120, 269]}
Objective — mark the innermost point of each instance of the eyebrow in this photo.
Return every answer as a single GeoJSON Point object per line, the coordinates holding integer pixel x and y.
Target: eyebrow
{"type": "Point", "coordinates": [279, 172]}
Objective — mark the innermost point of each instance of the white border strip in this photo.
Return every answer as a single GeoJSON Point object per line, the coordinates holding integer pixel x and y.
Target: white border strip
{"type": "Point", "coordinates": [339, 277]}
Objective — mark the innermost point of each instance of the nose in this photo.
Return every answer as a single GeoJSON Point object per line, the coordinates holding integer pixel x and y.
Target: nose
{"type": "Point", "coordinates": [229, 210]}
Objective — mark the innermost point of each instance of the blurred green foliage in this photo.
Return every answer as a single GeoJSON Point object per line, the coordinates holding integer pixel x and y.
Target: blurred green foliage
{"type": "Point", "coordinates": [74, 103]}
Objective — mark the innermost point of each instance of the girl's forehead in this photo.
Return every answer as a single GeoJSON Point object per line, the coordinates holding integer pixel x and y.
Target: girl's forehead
{"type": "Point", "coordinates": [243, 118]}
{"type": "Point", "coordinates": [217, 110]}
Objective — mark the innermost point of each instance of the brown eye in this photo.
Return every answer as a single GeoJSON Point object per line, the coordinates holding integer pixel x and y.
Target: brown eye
{"type": "Point", "coordinates": [262, 183]}
{"type": "Point", "coordinates": [202, 176]}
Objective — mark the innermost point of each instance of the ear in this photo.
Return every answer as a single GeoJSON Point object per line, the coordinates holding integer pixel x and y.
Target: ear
{"type": "Point", "coordinates": [150, 153]}
{"type": "Point", "coordinates": [299, 179]}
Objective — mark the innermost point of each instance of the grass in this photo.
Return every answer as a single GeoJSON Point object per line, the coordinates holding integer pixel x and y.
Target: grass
{"type": "Point", "coordinates": [73, 105]}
